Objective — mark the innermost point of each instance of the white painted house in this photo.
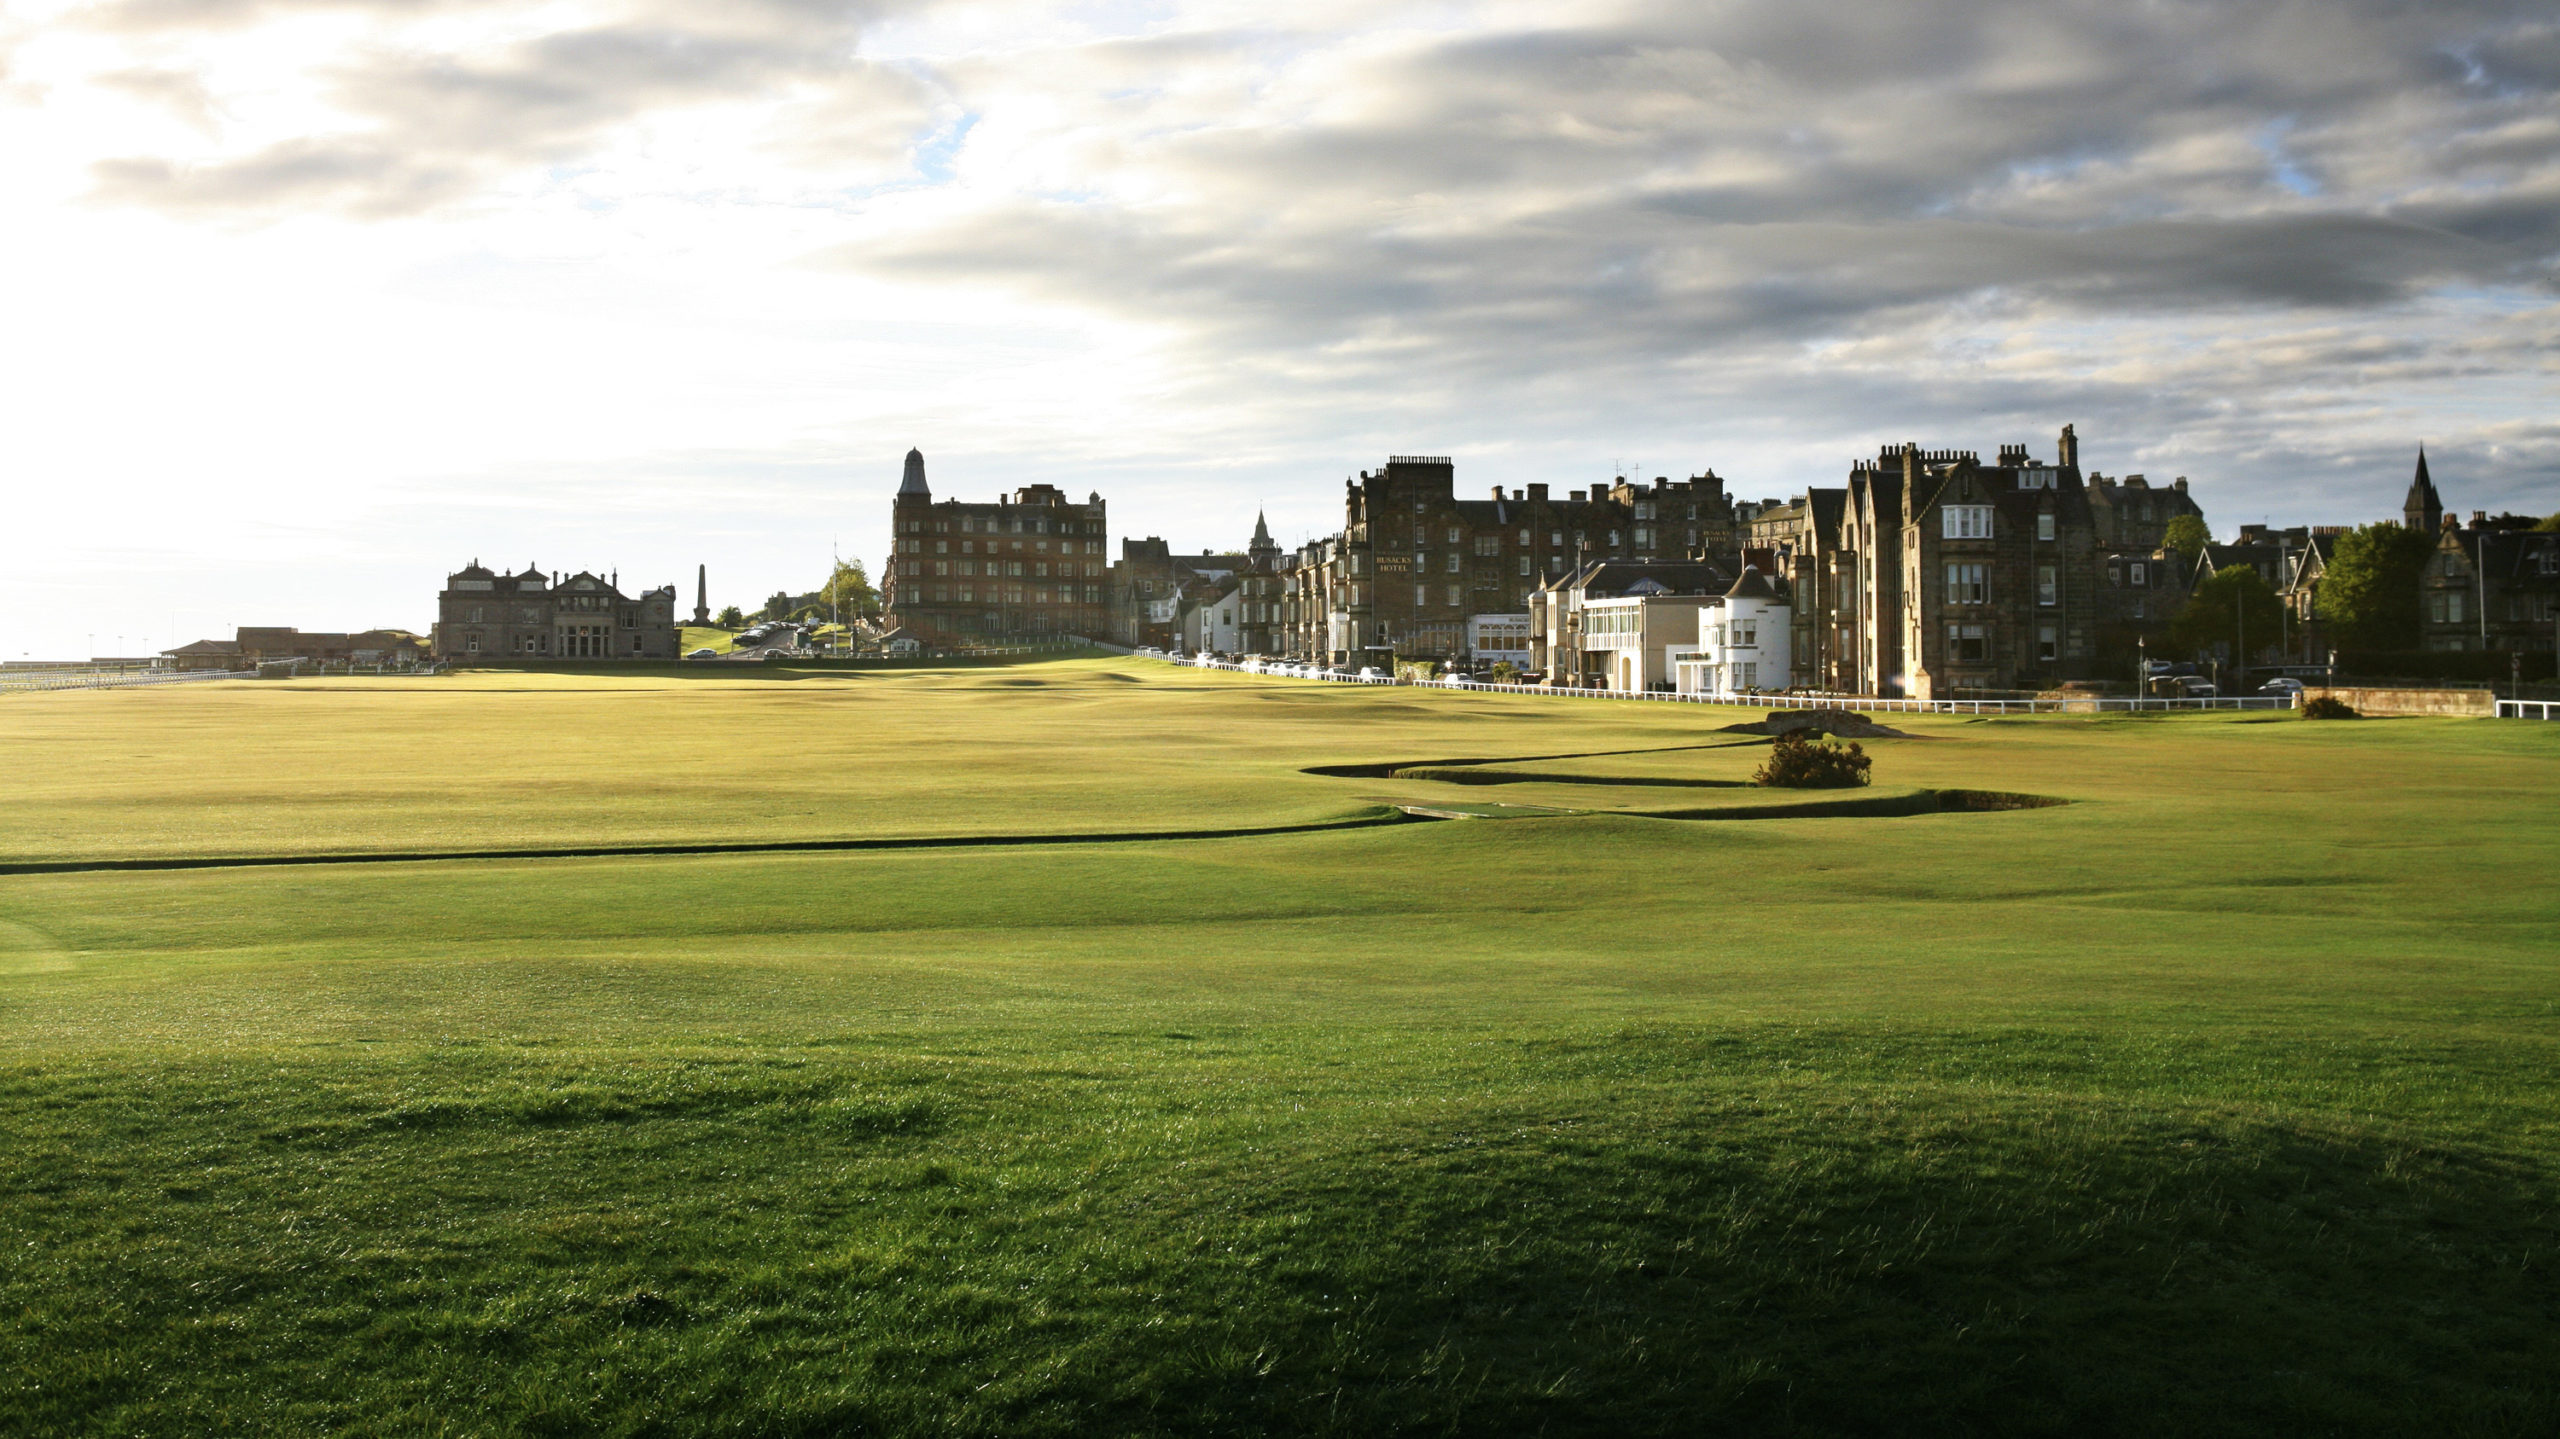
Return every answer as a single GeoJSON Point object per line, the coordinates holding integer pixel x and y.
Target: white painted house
{"type": "Point", "coordinates": [1742, 642]}
{"type": "Point", "coordinates": [1213, 617]}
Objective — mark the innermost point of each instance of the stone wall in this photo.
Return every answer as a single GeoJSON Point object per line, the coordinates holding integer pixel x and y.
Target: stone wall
{"type": "Point", "coordinates": [2480, 704]}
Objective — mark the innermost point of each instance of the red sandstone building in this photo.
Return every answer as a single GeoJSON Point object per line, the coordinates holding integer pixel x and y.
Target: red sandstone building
{"type": "Point", "coordinates": [1032, 564]}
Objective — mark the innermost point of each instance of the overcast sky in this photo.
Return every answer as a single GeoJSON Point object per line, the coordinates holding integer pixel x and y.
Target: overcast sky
{"type": "Point", "coordinates": [310, 302]}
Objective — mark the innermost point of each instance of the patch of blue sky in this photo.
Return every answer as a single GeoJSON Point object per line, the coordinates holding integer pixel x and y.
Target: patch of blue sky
{"type": "Point", "coordinates": [2270, 142]}
{"type": "Point", "coordinates": [935, 153]}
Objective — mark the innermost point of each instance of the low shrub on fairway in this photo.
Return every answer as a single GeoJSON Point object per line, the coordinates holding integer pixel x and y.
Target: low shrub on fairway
{"type": "Point", "coordinates": [1796, 762]}
{"type": "Point", "coordinates": [2328, 707]}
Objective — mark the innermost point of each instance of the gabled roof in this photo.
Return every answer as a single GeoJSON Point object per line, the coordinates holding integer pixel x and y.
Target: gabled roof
{"type": "Point", "coordinates": [206, 647]}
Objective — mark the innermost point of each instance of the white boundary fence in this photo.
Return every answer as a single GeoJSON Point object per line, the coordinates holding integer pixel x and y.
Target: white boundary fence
{"type": "Point", "coordinates": [2092, 705]}
{"type": "Point", "coordinates": [113, 679]}
{"type": "Point", "coordinates": [2529, 709]}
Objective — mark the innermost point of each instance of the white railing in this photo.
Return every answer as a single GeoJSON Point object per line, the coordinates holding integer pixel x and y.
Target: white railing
{"type": "Point", "coordinates": [114, 679]}
{"type": "Point", "coordinates": [2529, 709]}
{"type": "Point", "coordinates": [2091, 705]}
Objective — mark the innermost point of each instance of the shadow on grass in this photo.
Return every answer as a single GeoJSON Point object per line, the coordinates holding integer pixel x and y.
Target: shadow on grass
{"type": "Point", "coordinates": [1042, 1249]}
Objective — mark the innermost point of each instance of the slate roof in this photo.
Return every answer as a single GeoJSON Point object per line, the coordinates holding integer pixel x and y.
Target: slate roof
{"type": "Point", "coordinates": [1752, 586]}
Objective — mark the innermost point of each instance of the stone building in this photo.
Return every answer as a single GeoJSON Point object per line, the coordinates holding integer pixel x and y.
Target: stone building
{"type": "Point", "coordinates": [1031, 564]}
{"type": "Point", "coordinates": [252, 645]}
{"type": "Point", "coordinates": [1998, 574]}
{"type": "Point", "coordinates": [1167, 600]}
{"type": "Point", "coordinates": [483, 614]}
{"type": "Point", "coordinates": [1806, 552]}
{"type": "Point", "coordinates": [1960, 575]}
{"type": "Point", "coordinates": [2130, 517]}
{"type": "Point", "coordinates": [2490, 587]}
{"type": "Point", "coordinates": [1413, 563]}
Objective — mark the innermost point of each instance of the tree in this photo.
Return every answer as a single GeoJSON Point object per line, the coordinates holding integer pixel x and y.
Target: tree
{"type": "Point", "coordinates": [730, 619]}
{"type": "Point", "coordinates": [2234, 607]}
{"type": "Point", "coordinates": [2549, 524]}
{"type": "Point", "coordinates": [849, 590]}
{"type": "Point", "coordinates": [2369, 594]}
{"type": "Point", "coordinates": [2188, 535]}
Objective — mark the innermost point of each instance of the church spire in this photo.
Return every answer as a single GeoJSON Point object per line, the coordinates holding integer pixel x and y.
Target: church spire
{"type": "Point", "coordinates": [2423, 510]}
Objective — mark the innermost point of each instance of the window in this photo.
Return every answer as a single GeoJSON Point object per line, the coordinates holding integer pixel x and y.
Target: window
{"type": "Point", "coordinates": [472, 644]}
{"type": "Point", "coordinates": [2048, 643]}
{"type": "Point", "coordinates": [2453, 607]}
{"type": "Point", "coordinates": [968, 594]}
{"type": "Point", "coordinates": [942, 567]}
{"type": "Point", "coordinates": [2044, 525]}
{"type": "Point", "coordinates": [1453, 562]}
{"type": "Point", "coordinates": [635, 644]}
{"type": "Point", "coordinates": [1454, 595]}
{"type": "Point", "coordinates": [1968, 644]}
{"type": "Point", "coordinates": [1421, 596]}
{"type": "Point", "coordinates": [475, 614]}
{"type": "Point", "coordinates": [1524, 539]}
{"type": "Point", "coordinates": [1453, 534]}
{"type": "Point", "coordinates": [1524, 564]}
{"type": "Point", "coordinates": [1968, 585]}
{"type": "Point", "coordinates": [1488, 544]}
{"type": "Point", "coordinates": [2045, 586]}
{"type": "Point", "coordinates": [1555, 540]}
{"type": "Point", "coordinates": [2138, 580]}
{"type": "Point", "coordinates": [1746, 634]}
{"type": "Point", "coordinates": [1968, 522]}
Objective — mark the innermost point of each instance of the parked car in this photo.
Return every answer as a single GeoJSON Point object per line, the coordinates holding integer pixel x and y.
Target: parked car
{"type": "Point", "coordinates": [2281, 685]}
{"type": "Point", "coordinates": [705, 653]}
{"type": "Point", "coordinates": [1371, 672]}
{"type": "Point", "coordinates": [2197, 689]}
{"type": "Point", "coordinates": [1455, 678]}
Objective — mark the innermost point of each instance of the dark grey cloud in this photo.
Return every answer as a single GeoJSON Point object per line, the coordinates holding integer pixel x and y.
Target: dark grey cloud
{"type": "Point", "coordinates": [1681, 207]}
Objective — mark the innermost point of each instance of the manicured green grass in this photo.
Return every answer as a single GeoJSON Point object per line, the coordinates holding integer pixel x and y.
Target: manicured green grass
{"type": "Point", "coordinates": [2216, 1100]}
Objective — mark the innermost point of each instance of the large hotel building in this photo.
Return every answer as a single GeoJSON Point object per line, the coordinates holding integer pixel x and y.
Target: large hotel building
{"type": "Point", "coordinates": [1032, 563]}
